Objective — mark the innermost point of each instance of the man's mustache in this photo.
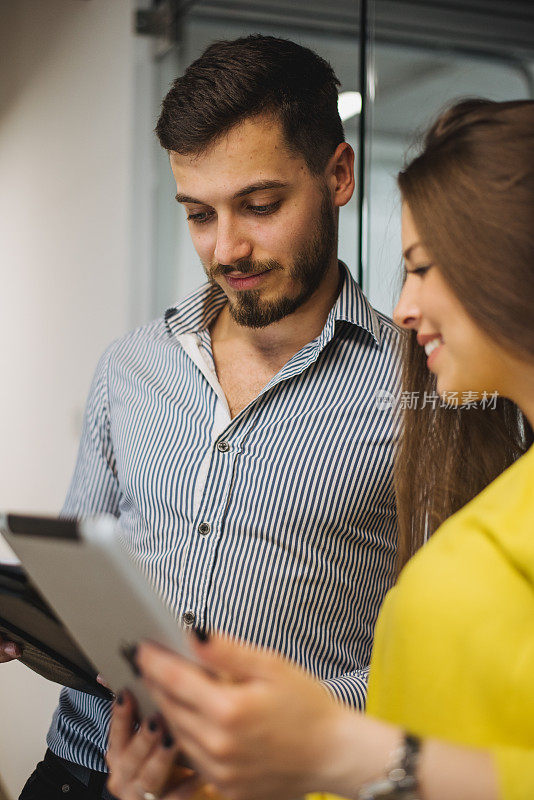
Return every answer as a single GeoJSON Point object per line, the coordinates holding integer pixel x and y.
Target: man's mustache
{"type": "Point", "coordinates": [246, 267]}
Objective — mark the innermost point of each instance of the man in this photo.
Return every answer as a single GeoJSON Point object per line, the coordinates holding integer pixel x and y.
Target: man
{"type": "Point", "coordinates": [239, 439]}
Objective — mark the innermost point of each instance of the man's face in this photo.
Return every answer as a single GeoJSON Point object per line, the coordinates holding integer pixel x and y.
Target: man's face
{"type": "Point", "coordinates": [263, 225]}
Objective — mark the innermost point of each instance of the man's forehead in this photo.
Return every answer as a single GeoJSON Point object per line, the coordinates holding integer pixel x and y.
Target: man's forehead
{"type": "Point", "coordinates": [255, 150]}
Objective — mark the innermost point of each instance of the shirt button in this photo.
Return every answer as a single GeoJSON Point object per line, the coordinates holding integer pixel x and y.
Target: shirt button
{"type": "Point", "coordinates": [204, 528]}
{"type": "Point", "coordinates": [223, 447]}
{"type": "Point", "coordinates": [65, 788]}
{"type": "Point", "coordinates": [188, 618]}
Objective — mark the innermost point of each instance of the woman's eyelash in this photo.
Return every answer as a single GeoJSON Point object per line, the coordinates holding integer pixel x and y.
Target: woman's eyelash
{"type": "Point", "coordinates": [418, 270]}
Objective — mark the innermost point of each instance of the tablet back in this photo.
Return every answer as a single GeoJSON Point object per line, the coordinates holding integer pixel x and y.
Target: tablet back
{"type": "Point", "coordinates": [101, 596]}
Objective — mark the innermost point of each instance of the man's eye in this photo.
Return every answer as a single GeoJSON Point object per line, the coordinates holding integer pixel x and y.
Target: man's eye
{"type": "Point", "coordinates": [266, 209]}
{"type": "Point", "coordinates": [200, 217]}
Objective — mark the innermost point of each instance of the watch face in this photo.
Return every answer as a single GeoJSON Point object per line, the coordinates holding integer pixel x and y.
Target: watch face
{"type": "Point", "coordinates": [385, 789]}
{"type": "Point", "coordinates": [400, 782]}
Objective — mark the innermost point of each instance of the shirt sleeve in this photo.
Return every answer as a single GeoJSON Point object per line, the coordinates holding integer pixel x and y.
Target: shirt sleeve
{"type": "Point", "coordinates": [94, 488]}
{"type": "Point", "coordinates": [515, 770]}
{"type": "Point", "coordinates": [350, 688]}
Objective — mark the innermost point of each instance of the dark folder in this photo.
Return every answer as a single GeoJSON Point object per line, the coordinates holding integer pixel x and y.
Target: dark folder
{"type": "Point", "coordinates": [47, 648]}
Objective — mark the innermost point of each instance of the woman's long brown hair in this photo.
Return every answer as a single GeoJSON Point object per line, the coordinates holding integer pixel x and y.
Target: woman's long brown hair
{"type": "Point", "coordinates": [471, 195]}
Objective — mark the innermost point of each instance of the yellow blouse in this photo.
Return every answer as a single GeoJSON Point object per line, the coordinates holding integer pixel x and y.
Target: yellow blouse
{"type": "Point", "coordinates": [453, 656]}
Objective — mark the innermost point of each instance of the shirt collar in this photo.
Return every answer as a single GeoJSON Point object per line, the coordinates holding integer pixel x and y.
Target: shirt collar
{"type": "Point", "coordinates": [198, 310]}
{"type": "Point", "coordinates": [353, 307]}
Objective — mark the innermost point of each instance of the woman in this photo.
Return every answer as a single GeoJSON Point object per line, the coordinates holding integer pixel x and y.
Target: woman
{"type": "Point", "coordinates": [453, 658]}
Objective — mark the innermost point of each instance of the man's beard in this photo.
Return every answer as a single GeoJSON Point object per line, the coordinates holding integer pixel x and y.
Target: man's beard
{"type": "Point", "coordinates": [308, 270]}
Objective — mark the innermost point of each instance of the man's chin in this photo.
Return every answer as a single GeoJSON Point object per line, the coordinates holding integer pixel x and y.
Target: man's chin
{"type": "Point", "coordinates": [251, 312]}
{"type": "Point", "coordinates": [247, 317]}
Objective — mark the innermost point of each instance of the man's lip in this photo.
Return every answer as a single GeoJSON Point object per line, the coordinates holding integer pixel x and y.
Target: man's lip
{"type": "Point", "coordinates": [239, 281]}
{"type": "Point", "coordinates": [243, 275]}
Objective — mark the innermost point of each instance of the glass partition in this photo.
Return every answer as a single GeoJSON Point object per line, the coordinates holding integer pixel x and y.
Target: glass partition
{"type": "Point", "coordinates": [420, 55]}
{"type": "Point", "coordinates": [419, 65]}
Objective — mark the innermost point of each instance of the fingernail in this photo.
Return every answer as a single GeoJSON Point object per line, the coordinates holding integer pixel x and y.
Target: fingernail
{"type": "Point", "coordinates": [168, 742]}
{"type": "Point", "coordinates": [129, 651]}
{"type": "Point", "coordinates": [120, 699]}
{"type": "Point", "coordinates": [201, 635]}
{"type": "Point", "coordinates": [12, 649]}
{"type": "Point", "coordinates": [153, 724]}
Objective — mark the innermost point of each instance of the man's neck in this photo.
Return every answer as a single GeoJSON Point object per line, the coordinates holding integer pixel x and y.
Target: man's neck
{"type": "Point", "coordinates": [281, 340]}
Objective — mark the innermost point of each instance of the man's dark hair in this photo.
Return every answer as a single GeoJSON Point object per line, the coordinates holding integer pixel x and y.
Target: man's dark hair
{"type": "Point", "coordinates": [240, 79]}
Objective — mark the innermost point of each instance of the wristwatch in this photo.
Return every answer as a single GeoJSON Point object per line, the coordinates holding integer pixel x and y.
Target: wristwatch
{"type": "Point", "coordinates": [400, 781]}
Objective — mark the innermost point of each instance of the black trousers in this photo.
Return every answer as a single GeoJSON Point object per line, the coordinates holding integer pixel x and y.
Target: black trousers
{"type": "Point", "coordinates": [53, 779]}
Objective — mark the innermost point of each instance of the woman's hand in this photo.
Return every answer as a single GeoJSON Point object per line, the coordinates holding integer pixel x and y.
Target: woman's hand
{"type": "Point", "coordinates": [251, 723]}
{"type": "Point", "coordinates": [258, 728]}
{"type": "Point", "coordinates": [143, 758]}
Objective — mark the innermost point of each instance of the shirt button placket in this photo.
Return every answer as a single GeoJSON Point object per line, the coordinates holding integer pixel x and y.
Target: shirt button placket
{"type": "Point", "coordinates": [204, 529]}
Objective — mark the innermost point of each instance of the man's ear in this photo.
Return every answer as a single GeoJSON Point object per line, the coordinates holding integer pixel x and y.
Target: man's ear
{"type": "Point", "coordinates": [340, 174]}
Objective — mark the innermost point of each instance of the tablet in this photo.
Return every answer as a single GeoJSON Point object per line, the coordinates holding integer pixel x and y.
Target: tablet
{"type": "Point", "coordinates": [47, 647]}
{"type": "Point", "coordinates": [97, 591]}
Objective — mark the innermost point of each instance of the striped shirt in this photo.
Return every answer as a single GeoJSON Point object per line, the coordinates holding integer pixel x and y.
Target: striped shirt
{"type": "Point", "coordinates": [277, 526]}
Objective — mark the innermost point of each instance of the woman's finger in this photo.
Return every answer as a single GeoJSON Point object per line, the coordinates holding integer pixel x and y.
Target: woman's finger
{"type": "Point", "coordinates": [182, 681]}
{"type": "Point", "coordinates": [158, 772]}
{"type": "Point", "coordinates": [176, 715]}
{"type": "Point", "coordinates": [193, 789]}
{"type": "Point", "coordinates": [123, 720]}
{"type": "Point", "coordinates": [187, 726]}
{"type": "Point", "coordinates": [142, 744]}
{"type": "Point", "coordinates": [203, 753]}
{"type": "Point", "coordinates": [237, 661]}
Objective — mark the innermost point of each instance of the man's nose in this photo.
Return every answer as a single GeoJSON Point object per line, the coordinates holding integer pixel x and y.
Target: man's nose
{"type": "Point", "coordinates": [407, 313]}
{"type": "Point", "coordinates": [232, 244]}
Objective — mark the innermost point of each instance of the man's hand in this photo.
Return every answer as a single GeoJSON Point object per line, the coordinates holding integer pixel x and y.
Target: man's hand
{"type": "Point", "coordinates": [9, 651]}
{"type": "Point", "coordinates": [102, 682]}
{"type": "Point", "coordinates": [142, 759]}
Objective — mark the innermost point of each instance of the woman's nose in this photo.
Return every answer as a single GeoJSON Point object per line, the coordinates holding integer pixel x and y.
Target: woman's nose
{"type": "Point", "coordinates": [406, 313]}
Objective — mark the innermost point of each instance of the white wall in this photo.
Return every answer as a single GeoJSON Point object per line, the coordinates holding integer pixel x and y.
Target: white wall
{"type": "Point", "coordinates": [66, 110]}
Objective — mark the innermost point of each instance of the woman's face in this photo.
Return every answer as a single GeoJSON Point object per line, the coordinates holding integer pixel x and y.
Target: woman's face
{"type": "Point", "coordinates": [463, 357]}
